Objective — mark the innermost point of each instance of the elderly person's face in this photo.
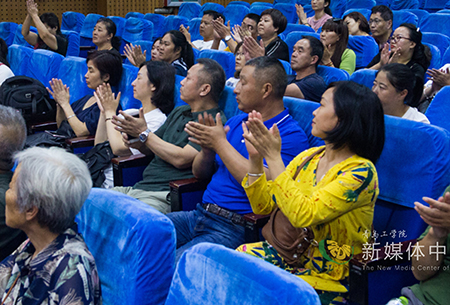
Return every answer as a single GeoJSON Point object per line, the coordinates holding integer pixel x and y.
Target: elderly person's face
{"type": "Point", "coordinates": [14, 217]}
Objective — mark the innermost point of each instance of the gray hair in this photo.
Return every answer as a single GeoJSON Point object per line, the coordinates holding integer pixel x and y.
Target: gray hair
{"type": "Point", "coordinates": [54, 181]}
{"type": "Point", "coordinates": [13, 134]}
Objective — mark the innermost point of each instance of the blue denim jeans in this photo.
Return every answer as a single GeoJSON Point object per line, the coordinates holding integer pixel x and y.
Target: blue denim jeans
{"type": "Point", "coordinates": [194, 227]}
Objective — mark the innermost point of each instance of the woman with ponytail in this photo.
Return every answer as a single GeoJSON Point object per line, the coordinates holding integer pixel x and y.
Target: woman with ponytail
{"type": "Point", "coordinates": [175, 50]}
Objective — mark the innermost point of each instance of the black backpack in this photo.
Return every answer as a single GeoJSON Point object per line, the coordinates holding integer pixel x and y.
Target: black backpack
{"type": "Point", "coordinates": [30, 97]}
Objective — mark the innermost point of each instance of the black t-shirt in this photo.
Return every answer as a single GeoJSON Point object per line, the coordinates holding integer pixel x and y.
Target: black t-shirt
{"type": "Point", "coordinates": [61, 41]}
{"type": "Point", "coordinates": [312, 86]}
{"type": "Point", "coordinates": [278, 49]}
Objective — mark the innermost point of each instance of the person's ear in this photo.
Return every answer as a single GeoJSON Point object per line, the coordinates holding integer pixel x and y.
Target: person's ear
{"type": "Point", "coordinates": [204, 90]}
{"type": "Point", "coordinates": [389, 24]}
{"type": "Point", "coordinates": [31, 213]}
{"type": "Point", "coordinates": [314, 59]}
{"type": "Point", "coordinates": [267, 90]}
{"type": "Point", "coordinates": [403, 93]}
{"type": "Point", "coordinates": [105, 77]}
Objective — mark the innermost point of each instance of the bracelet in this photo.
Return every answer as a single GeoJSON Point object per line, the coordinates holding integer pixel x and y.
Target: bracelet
{"type": "Point", "coordinates": [330, 64]}
{"type": "Point", "coordinates": [107, 119]}
{"type": "Point", "coordinates": [70, 116]}
{"type": "Point", "coordinates": [255, 175]}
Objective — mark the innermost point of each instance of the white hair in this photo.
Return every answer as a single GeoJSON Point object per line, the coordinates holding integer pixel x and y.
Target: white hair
{"type": "Point", "coordinates": [12, 137]}
{"type": "Point", "coordinates": [54, 181]}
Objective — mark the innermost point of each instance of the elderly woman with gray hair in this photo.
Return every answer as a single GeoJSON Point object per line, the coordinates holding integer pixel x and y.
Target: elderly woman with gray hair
{"type": "Point", "coordinates": [53, 266]}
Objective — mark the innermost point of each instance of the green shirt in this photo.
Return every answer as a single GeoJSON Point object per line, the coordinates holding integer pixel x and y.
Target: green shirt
{"type": "Point", "coordinates": [159, 173]}
{"type": "Point", "coordinates": [348, 61]}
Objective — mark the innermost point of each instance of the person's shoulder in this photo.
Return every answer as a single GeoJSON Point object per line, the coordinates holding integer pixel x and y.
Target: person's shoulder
{"type": "Point", "coordinates": [348, 53]}
{"type": "Point", "coordinates": [237, 119]}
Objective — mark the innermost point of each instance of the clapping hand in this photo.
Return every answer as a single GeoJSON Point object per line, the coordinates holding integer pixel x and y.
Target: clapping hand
{"type": "Point", "coordinates": [130, 125]}
{"type": "Point", "coordinates": [207, 133]}
{"type": "Point", "coordinates": [437, 215]}
{"type": "Point", "coordinates": [60, 92]}
{"type": "Point", "coordinates": [105, 98]}
{"type": "Point", "coordinates": [135, 55]}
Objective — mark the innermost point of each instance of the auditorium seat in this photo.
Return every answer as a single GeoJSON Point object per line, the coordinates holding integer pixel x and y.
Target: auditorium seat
{"type": "Point", "coordinates": [194, 28]}
{"type": "Point", "coordinates": [439, 40]}
{"type": "Point", "coordinates": [331, 74]}
{"type": "Point", "coordinates": [120, 24]}
{"type": "Point", "coordinates": [367, 4]}
{"type": "Point", "coordinates": [225, 59]}
{"type": "Point", "coordinates": [134, 15]}
{"type": "Point", "coordinates": [403, 17]}
{"type": "Point", "coordinates": [446, 57]}
{"type": "Point", "coordinates": [404, 4]}
{"type": "Point", "coordinates": [136, 29]}
{"type": "Point", "coordinates": [189, 10]}
{"type": "Point", "coordinates": [421, 14]}
{"type": "Point", "coordinates": [364, 77]}
{"type": "Point", "coordinates": [72, 21]}
{"type": "Point", "coordinates": [438, 23]}
{"type": "Point", "coordinates": [146, 45]}
{"type": "Point", "coordinates": [44, 65]}
{"type": "Point", "coordinates": [8, 31]}
{"type": "Point", "coordinates": [435, 56]}
{"type": "Point", "coordinates": [365, 48]}
{"type": "Point", "coordinates": [212, 6]}
{"type": "Point", "coordinates": [173, 23]}
{"type": "Point", "coordinates": [258, 9]}
{"type": "Point", "coordinates": [239, 2]}
{"type": "Point", "coordinates": [437, 111]}
{"type": "Point", "coordinates": [158, 24]}
{"type": "Point", "coordinates": [73, 38]}
{"type": "Point", "coordinates": [71, 72]}
{"type": "Point", "coordinates": [291, 27]}
{"type": "Point", "coordinates": [18, 58]}
{"type": "Point", "coordinates": [269, 5]}
{"type": "Point", "coordinates": [127, 99]}
{"type": "Point", "coordinates": [235, 14]}
{"type": "Point", "coordinates": [288, 10]}
{"type": "Point", "coordinates": [337, 8]}
{"type": "Point", "coordinates": [86, 32]}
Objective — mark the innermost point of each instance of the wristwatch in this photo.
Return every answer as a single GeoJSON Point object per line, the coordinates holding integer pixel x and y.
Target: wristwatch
{"type": "Point", "coordinates": [144, 135]}
{"type": "Point", "coordinates": [228, 37]}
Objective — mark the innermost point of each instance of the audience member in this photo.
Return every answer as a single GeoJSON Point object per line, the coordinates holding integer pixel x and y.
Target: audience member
{"type": "Point", "coordinates": [307, 84]}
{"type": "Point", "coordinates": [219, 218]}
{"type": "Point", "coordinates": [49, 35]}
{"type": "Point", "coordinates": [357, 24]}
{"type": "Point", "coordinates": [135, 55]}
{"type": "Point", "coordinates": [175, 50]}
{"type": "Point", "coordinates": [407, 48]}
{"type": "Point", "coordinates": [5, 71]}
{"type": "Point", "coordinates": [53, 265]}
{"type": "Point", "coordinates": [12, 139]}
{"type": "Point", "coordinates": [334, 37]}
{"type": "Point", "coordinates": [173, 151]}
{"type": "Point", "coordinates": [330, 189]}
{"type": "Point", "coordinates": [322, 13]}
{"type": "Point", "coordinates": [154, 87]}
{"type": "Point", "coordinates": [271, 24]}
{"type": "Point", "coordinates": [381, 22]}
{"type": "Point", "coordinates": [240, 63]}
{"type": "Point", "coordinates": [438, 79]}
{"type": "Point", "coordinates": [104, 35]}
{"type": "Point", "coordinates": [206, 31]}
{"type": "Point", "coordinates": [82, 115]}
{"type": "Point", "coordinates": [394, 85]}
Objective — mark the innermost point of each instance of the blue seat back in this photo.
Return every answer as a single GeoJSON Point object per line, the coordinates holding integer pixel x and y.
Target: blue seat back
{"type": "Point", "coordinates": [302, 111]}
{"type": "Point", "coordinates": [435, 56]}
{"type": "Point", "coordinates": [330, 74]}
{"type": "Point", "coordinates": [225, 59]}
{"type": "Point", "coordinates": [158, 24]}
{"type": "Point", "coordinates": [18, 37]}
{"type": "Point", "coordinates": [212, 6]}
{"type": "Point", "coordinates": [364, 77]}
{"type": "Point", "coordinates": [202, 267]}
{"type": "Point", "coordinates": [288, 10]}
{"type": "Point", "coordinates": [404, 4]}
{"type": "Point", "coordinates": [18, 58]}
{"type": "Point", "coordinates": [194, 28]}
{"type": "Point", "coordinates": [421, 14]}
{"type": "Point", "coordinates": [44, 65]}
{"type": "Point", "coordinates": [269, 5]}
{"type": "Point", "coordinates": [71, 72]}
{"type": "Point", "coordinates": [258, 9]}
{"type": "Point", "coordinates": [134, 15]}
{"type": "Point", "coordinates": [292, 38]}
{"type": "Point", "coordinates": [235, 14]}
{"type": "Point", "coordinates": [337, 7]}
{"type": "Point", "coordinates": [146, 45]}
{"type": "Point", "coordinates": [367, 4]}
{"type": "Point", "coordinates": [291, 27]}
{"type": "Point", "coordinates": [133, 246]}
{"type": "Point", "coordinates": [189, 10]}
{"type": "Point", "coordinates": [72, 21]}
{"type": "Point", "coordinates": [284, 1]}
{"type": "Point", "coordinates": [240, 3]}
{"type": "Point", "coordinates": [120, 24]}
{"type": "Point", "coordinates": [365, 48]}
{"type": "Point", "coordinates": [447, 5]}
{"type": "Point", "coordinates": [445, 11]}
{"type": "Point", "coordinates": [287, 67]}
{"type": "Point", "coordinates": [137, 29]}
{"type": "Point", "coordinates": [439, 40]}
{"type": "Point", "coordinates": [173, 23]}
{"type": "Point", "coordinates": [127, 99]}
{"type": "Point", "coordinates": [446, 57]}
{"type": "Point", "coordinates": [437, 110]}
{"type": "Point", "coordinates": [434, 5]}
{"type": "Point", "coordinates": [177, 100]}
{"type": "Point", "coordinates": [88, 26]}
{"type": "Point", "coordinates": [73, 38]}
{"type": "Point", "coordinates": [228, 103]}
{"type": "Point", "coordinates": [364, 11]}
{"type": "Point", "coordinates": [438, 23]}
{"type": "Point", "coordinates": [308, 10]}
{"type": "Point", "coordinates": [8, 31]}
{"type": "Point", "coordinates": [402, 17]}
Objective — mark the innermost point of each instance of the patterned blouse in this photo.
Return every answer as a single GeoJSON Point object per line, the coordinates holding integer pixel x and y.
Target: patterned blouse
{"type": "Point", "coordinates": [63, 273]}
{"type": "Point", "coordinates": [339, 208]}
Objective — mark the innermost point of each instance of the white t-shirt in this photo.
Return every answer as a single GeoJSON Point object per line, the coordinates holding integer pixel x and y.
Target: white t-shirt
{"type": "Point", "coordinates": [154, 119]}
{"type": "Point", "coordinates": [5, 73]}
{"type": "Point", "coordinates": [414, 115]}
{"type": "Point", "coordinates": [232, 82]}
{"type": "Point", "coordinates": [203, 45]}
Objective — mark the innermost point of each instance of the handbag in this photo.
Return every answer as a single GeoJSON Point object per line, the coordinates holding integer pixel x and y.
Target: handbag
{"type": "Point", "coordinates": [289, 241]}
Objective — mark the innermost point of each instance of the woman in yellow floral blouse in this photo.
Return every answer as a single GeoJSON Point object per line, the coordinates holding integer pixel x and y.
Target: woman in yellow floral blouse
{"type": "Point", "coordinates": [334, 193]}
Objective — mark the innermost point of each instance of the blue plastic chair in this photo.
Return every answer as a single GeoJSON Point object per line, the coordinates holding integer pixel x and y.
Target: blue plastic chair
{"type": "Point", "coordinates": [18, 58]}
{"type": "Point", "coordinates": [446, 57]}
{"type": "Point", "coordinates": [421, 14]}
{"type": "Point", "coordinates": [133, 246]}
{"type": "Point", "coordinates": [240, 3]}
{"type": "Point", "coordinates": [291, 27]}
{"type": "Point", "coordinates": [73, 38]}
{"type": "Point", "coordinates": [146, 45]}
{"type": "Point", "coordinates": [88, 26]}
{"type": "Point", "coordinates": [71, 72]}
{"type": "Point", "coordinates": [235, 14]}
{"type": "Point", "coordinates": [189, 10]}
{"type": "Point", "coordinates": [367, 4]}
{"type": "Point", "coordinates": [364, 77]}
{"type": "Point", "coordinates": [212, 6]}
{"type": "Point", "coordinates": [337, 7]}
{"type": "Point", "coordinates": [435, 56]}
{"type": "Point", "coordinates": [127, 99]}
{"type": "Point", "coordinates": [137, 29]}
{"type": "Point", "coordinates": [72, 21]}
{"type": "Point", "coordinates": [120, 24]}
{"type": "Point", "coordinates": [384, 2]}
{"type": "Point", "coordinates": [269, 5]}
{"type": "Point", "coordinates": [447, 5]}
{"type": "Point", "coordinates": [194, 28]}
{"type": "Point", "coordinates": [284, 1]}
{"type": "Point", "coordinates": [364, 11]}
{"type": "Point", "coordinates": [292, 38]}
{"type": "Point", "coordinates": [228, 103]}
{"type": "Point", "coordinates": [438, 23]}
{"type": "Point", "coordinates": [438, 108]}
{"type": "Point", "coordinates": [330, 74]}
{"type": "Point", "coordinates": [402, 17]}
{"type": "Point", "coordinates": [445, 11]}
{"type": "Point", "coordinates": [173, 23]}
{"type": "Point", "coordinates": [439, 40]}
{"type": "Point", "coordinates": [158, 24]}
{"type": "Point", "coordinates": [365, 48]}
{"type": "Point", "coordinates": [134, 15]}
{"type": "Point", "coordinates": [434, 5]}
{"type": "Point", "coordinates": [287, 67]}
{"type": "Point", "coordinates": [18, 37]}
{"type": "Point", "coordinates": [8, 31]}
{"type": "Point", "coordinates": [225, 59]}
{"type": "Point", "coordinates": [44, 65]}
{"type": "Point", "coordinates": [404, 4]}
{"type": "Point", "coordinates": [288, 10]}
{"type": "Point", "coordinates": [258, 9]}
{"type": "Point", "coordinates": [177, 100]}
{"type": "Point", "coordinates": [244, 279]}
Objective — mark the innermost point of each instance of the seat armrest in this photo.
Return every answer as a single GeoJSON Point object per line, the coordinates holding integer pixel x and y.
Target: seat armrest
{"type": "Point", "coordinates": [37, 127]}
{"type": "Point", "coordinates": [128, 162]}
{"type": "Point", "coordinates": [87, 48]}
{"type": "Point", "coordinates": [178, 187]}
{"type": "Point", "coordinates": [79, 142]}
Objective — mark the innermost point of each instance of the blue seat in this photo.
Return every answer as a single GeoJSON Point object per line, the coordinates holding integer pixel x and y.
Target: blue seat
{"type": "Point", "coordinates": [243, 279]}
{"type": "Point", "coordinates": [434, 5]}
{"type": "Point", "coordinates": [173, 23]}
{"type": "Point", "coordinates": [212, 6]}
{"type": "Point", "coordinates": [301, 111]}
{"type": "Point", "coordinates": [439, 40]}
{"type": "Point", "coordinates": [240, 3]}
{"type": "Point", "coordinates": [365, 48]}
{"type": "Point", "coordinates": [235, 14]}
{"type": "Point", "coordinates": [308, 10]}
{"type": "Point", "coordinates": [18, 37]}
{"type": "Point", "coordinates": [120, 24]}
{"type": "Point", "coordinates": [367, 4]}
{"type": "Point", "coordinates": [435, 56]}
{"type": "Point", "coordinates": [86, 31]}
{"type": "Point", "coordinates": [71, 72]}
{"type": "Point", "coordinates": [287, 67]}
{"type": "Point", "coordinates": [225, 59]}
{"type": "Point", "coordinates": [44, 65]}
{"type": "Point", "coordinates": [291, 27]}
{"type": "Point", "coordinates": [284, 1]}
{"type": "Point", "coordinates": [445, 11]}
{"type": "Point", "coordinates": [136, 29]}
{"type": "Point", "coordinates": [18, 58]}
{"type": "Point", "coordinates": [189, 10]}
{"type": "Point", "coordinates": [72, 21]}
{"type": "Point", "coordinates": [330, 74]}
{"type": "Point", "coordinates": [177, 100]}
{"type": "Point", "coordinates": [402, 17]}
{"type": "Point", "coordinates": [194, 28]}
{"type": "Point", "coordinates": [158, 24]}
{"type": "Point", "coordinates": [337, 8]}
{"type": "Point", "coordinates": [421, 14]}
{"type": "Point", "coordinates": [438, 23]}
{"type": "Point", "coordinates": [73, 38]}
{"type": "Point", "coordinates": [127, 99]}
{"type": "Point", "coordinates": [133, 246]}
{"type": "Point", "coordinates": [196, 53]}
{"type": "Point", "coordinates": [364, 11]}
{"type": "Point", "coordinates": [447, 5]}
{"type": "Point", "coordinates": [8, 31]}
{"type": "Point", "coordinates": [134, 15]}
{"type": "Point", "coordinates": [228, 104]}
{"type": "Point", "coordinates": [437, 110]}
{"type": "Point", "coordinates": [384, 2]}
{"type": "Point", "coordinates": [269, 5]}
{"type": "Point", "coordinates": [364, 77]}
{"type": "Point", "coordinates": [146, 45]}
{"type": "Point", "coordinates": [292, 38]}
{"type": "Point", "coordinates": [446, 57]}
{"type": "Point", "coordinates": [288, 10]}
{"type": "Point", "coordinates": [258, 9]}
{"type": "Point", "coordinates": [404, 4]}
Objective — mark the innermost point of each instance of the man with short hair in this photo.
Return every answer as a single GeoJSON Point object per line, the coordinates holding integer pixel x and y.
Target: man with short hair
{"type": "Point", "coordinates": [173, 151]}
{"type": "Point", "coordinates": [12, 139]}
{"type": "Point", "coordinates": [307, 84]}
{"type": "Point", "coordinates": [380, 22]}
{"type": "Point", "coordinates": [219, 219]}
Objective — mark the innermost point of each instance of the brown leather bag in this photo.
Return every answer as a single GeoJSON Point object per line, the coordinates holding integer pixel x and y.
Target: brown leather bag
{"type": "Point", "coordinates": [290, 242]}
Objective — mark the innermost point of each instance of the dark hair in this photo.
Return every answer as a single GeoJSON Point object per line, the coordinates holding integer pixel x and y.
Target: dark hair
{"type": "Point", "coordinates": [52, 21]}
{"type": "Point", "coordinates": [3, 52]}
{"type": "Point", "coordinates": [360, 116]}
{"type": "Point", "coordinates": [327, 9]}
{"type": "Point", "coordinates": [162, 76]}
{"type": "Point", "coordinates": [278, 19]}
{"type": "Point", "coordinates": [107, 62]}
{"type": "Point", "coordinates": [111, 29]}
{"type": "Point", "coordinates": [363, 23]}
{"type": "Point", "coordinates": [214, 14]}
{"type": "Point", "coordinates": [422, 53]}
{"type": "Point", "coordinates": [401, 77]}
{"type": "Point", "coordinates": [213, 74]}
{"type": "Point", "coordinates": [316, 47]}
{"type": "Point", "coordinates": [179, 40]}
{"type": "Point", "coordinates": [253, 16]}
{"type": "Point", "coordinates": [338, 26]}
{"type": "Point", "coordinates": [270, 70]}
{"type": "Point", "coordinates": [385, 12]}
{"type": "Point", "coordinates": [238, 46]}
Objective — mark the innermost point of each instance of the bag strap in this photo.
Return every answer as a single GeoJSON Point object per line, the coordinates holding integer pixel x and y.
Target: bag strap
{"type": "Point", "coordinates": [306, 161]}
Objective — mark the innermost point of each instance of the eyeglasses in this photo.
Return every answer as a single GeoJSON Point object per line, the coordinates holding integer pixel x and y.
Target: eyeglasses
{"type": "Point", "coordinates": [397, 38]}
{"type": "Point", "coordinates": [376, 21]}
